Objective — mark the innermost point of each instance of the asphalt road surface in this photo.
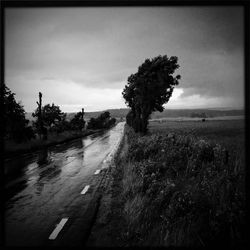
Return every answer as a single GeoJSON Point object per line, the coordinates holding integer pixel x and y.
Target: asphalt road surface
{"type": "Point", "coordinates": [48, 192]}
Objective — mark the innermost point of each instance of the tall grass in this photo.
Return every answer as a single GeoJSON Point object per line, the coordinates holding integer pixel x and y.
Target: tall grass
{"type": "Point", "coordinates": [181, 191]}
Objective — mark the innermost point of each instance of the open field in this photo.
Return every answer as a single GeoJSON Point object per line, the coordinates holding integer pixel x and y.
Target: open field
{"type": "Point", "coordinates": [228, 133]}
{"type": "Point", "coordinates": [185, 118]}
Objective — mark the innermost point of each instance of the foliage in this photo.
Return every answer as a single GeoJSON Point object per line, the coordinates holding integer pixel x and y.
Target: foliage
{"type": "Point", "coordinates": [77, 123]}
{"type": "Point", "coordinates": [62, 126]}
{"type": "Point", "coordinates": [102, 121]}
{"type": "Point", "coordinates": [149, 88]}
{"type": "Point", "coordinates": [188, 194]}
{"type": "Point", "coordinates": [16, 126]}
{"type": "Point", "coordinates": [52, 116]}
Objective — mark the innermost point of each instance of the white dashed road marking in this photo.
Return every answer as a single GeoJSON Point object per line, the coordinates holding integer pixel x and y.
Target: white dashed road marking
{"type": "Point", "coordinates": [97, 171]}
{"type": "Point", "coordinates": [84, 191]}
{"type": "Point", "coordinates": [58, 229]}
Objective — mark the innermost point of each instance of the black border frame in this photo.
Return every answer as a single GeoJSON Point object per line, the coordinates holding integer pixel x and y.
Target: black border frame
{"type": "Point", "coordinates": [132, 3]}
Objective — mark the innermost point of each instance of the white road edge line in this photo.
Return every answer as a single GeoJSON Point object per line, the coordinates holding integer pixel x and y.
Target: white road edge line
{"type": "Point", "coordinates": [58, 229]}
{"type": "Point", "coordinates": [97, 171]}
{"type": "Point", "coordinates": [84, 191]}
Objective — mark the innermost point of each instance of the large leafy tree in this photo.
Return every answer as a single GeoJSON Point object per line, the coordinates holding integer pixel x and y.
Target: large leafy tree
{"type": "Point", "coordinates": [16, 125]}
{"type": "Point", "coordinates": [51, 115]}
{"type": "Point", "coordinates": [149, 88]}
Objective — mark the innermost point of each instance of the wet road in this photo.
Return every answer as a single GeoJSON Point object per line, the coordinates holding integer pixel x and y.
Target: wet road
{"type": "Point", "coordinates": [46, 187]}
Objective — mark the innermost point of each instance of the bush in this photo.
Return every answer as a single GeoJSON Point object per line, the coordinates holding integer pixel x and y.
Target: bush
{"type": "Point", "coordinates": [102, 121]}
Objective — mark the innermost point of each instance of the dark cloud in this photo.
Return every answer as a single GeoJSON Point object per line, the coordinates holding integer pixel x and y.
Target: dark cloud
{"type": "Point", "coordinates": [213, 29]}
{"type": "Point", "coordinates": [99, 48]}
{"type": "Point", "coordinates": [214, 75]}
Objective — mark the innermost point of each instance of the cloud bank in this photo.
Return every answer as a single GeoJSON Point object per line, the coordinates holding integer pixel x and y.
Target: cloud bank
{"type": "Point", "coordinates": [82, 57]}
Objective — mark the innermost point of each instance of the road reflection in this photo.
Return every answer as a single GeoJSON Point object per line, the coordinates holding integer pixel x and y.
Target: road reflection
{"type": "Point", "coordinates": [45, 165]}
{"type": "Point", "coordinates": [43, 157]}
{"type": "Point", "coordinates": [48, 181]}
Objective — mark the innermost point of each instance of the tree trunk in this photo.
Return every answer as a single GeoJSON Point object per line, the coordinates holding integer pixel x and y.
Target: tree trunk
{"type": "Point", "coordinates": [42, 129]}
{"type": "Point", "coordinates": [144, 123]}
{"type": "Point", "coordinates": [144, 119]}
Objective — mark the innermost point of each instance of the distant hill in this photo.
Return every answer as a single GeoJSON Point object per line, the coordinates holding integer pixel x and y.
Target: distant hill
{"type": "Point", "coordinates": [121, 113]}
{"type": "Point", "coordinates": [118, 113]}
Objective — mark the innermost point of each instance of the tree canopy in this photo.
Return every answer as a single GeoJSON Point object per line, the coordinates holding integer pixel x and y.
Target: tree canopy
{"type": "Point", "coordinates": [77, 121]}
{"type": "Point", "coordinates": [102, 121]}
{"type": "Point", "coordinates": [16, 125]}
{"type": "Point", "coordinates": [51, 115]}
{"type": "Point", "coordinates": [149, 88]}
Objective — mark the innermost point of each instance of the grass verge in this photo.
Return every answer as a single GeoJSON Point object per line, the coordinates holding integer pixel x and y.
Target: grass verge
{"type": "Point", "coordinates": [109, 226]}
{"type": "Point", "coordinates": [178, 190]}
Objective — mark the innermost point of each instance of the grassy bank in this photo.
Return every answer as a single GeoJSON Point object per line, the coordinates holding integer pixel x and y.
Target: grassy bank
{"type": "Point", "coordinates": [12, 149]}
{"type": "Point", "coordinates": [179, 189]}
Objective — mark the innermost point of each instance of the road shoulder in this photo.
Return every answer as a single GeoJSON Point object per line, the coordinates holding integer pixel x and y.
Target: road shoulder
{"type": "Point", "coordinates": [109, 225]}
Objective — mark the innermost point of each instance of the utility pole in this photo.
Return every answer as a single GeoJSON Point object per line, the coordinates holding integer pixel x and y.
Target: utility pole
{"type": "Point", "coordinates": [40, 122]}
{"type": "Point", "coordinates": [82, 118]}
{"type": "Point", "coordinates": [42, 129]}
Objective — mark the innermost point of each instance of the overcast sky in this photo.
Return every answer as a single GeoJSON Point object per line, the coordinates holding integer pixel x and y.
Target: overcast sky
{"type": "Point", "coordinates": [82, 57]}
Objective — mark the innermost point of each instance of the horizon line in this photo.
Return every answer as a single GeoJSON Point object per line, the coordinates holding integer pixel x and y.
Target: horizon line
{"type": "Point", "coordinates": [186, 108]}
